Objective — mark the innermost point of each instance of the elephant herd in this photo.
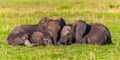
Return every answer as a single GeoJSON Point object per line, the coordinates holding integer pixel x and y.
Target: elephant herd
{"type": "Point", "coordinates": [57, 32]}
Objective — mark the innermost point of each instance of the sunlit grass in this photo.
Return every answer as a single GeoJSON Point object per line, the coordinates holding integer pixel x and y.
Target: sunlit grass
{"type": "Point", "coordinates": [15, 12]}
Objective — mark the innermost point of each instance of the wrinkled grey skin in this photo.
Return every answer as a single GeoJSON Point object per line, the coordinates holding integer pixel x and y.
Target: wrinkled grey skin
{"type": "Point", "coordinates": [73, 33]}
{"type": "Point", "coordinates": [67, 35]}
{"type": "Point", "coordinates": [80, 29]}
{"type": "Point", "coordinates": [98, 34]}
{"type": "Point", "coordinates": [54, 29]}
{"type": "Point", "coordinates": [38, 38]}
{"type": "Point", "coordinates": [51, 27]}
{"type": "Point", "coordinates": [48, 40]}
{"type": "Point", "coordinates": [43, 24]}
{"type": "Point", "coordinates": [86, 33]}
{"type": "Point", "coordinates": [20, 35]}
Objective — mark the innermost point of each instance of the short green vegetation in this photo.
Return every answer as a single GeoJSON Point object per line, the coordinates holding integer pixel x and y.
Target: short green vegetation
{"type": "Point", "coordinates": [17, 12]}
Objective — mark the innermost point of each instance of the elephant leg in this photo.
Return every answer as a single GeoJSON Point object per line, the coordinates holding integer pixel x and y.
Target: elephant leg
{"type": "Point", "coordinates": [27, 43]}
{"type": "Point", "coordinates": [54, 36]}
{"type": "Point", "coordinates": [55, 41]}
{"type": "Point", "coordinates": [82, 41]}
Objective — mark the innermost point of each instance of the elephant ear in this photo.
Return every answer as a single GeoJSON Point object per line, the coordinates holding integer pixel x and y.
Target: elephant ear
{"type": "Point", "coordinates": [80, 29]}
{"type": "Point", "coordinates": [62, 22]}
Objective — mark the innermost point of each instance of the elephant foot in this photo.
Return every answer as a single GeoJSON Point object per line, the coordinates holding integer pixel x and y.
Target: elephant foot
{"type": "Point", "coordinates": [27, 43]}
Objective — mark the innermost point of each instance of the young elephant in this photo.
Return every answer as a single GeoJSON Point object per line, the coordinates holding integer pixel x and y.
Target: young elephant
{"type": "Point", "coordinates": [67, 35]}
{"type": "Point", "coordinates": [73, 33]}
{"type": "Point", "coordinates": [38, 38]}
{"type": "Point", "coordinates": [51, 27]}
{"type": "Point", "coordinates": [20, 35]}
{"type": "Point", "coordinates": [54, 29]}
{"type": "Point", "coordinates": [98, 34]}
{"type": "Point", "coordinates": [86, 33]}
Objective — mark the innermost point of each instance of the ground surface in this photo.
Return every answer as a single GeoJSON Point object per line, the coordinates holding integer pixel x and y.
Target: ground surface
{"type": "Point", "coordinates": [17, 12]}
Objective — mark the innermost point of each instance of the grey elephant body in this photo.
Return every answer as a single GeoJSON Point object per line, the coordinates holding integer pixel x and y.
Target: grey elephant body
{"type": "Point", "coordinates": [43, 24]}
{"type": "Point", "coordinates": [51, 27]}
{"type": "Point", "coordinates": [26, 34]}
{"type": "Point", "coordinates": [87, 33]}
{"type": "Point", "coordinates": [97, 34]}
{"type": "Point", "coordinates": [54, 29]}
{"type": "Point", "coordinates": [38, 38]}
{"type": "Point", "coordinates": [20, 35]}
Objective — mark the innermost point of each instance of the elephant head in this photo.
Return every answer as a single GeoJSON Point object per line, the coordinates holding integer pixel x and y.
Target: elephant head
{"type": "Point", "coordinates": [18, 40]}
{"type": "Point", "coordinates": [38, 38]}
{"type": "Point", "coordinates": [73, 33]}
{"type": "Point", "coordinates": [20, 35]}
{"type": "Point", "coordinates": [67, 35]}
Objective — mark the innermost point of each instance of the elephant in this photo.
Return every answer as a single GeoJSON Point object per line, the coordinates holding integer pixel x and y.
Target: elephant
{"type": "Point", "coordinates": [51, 27]}
{"type": "Point", "coordinates": [67, 35]}
{"type": "Point", "coordinates": [98, 34]}
{"type": "Point", "coordinates": [80, 32]}
{"type": "Point", "coordinates": [20, 35]}
{"type": "Point", "coordinates": [54, 29]}
{"type": "Point", "coordinates": [38, 38]}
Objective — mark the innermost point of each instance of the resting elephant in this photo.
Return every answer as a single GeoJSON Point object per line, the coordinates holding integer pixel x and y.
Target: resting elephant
{"type": "Point", "coordinates": [54, 29]}
{"type": "Point", "coordinates": [98, 34]}
{"type": "Point", "coordinates": [80, 32]}
{"type": "Point", "coordinates": [51, 27]}
{"type": "Point", "coordinates": [67, 35]}
{"type": "Point", "coordinates": [38, 38]}
{"type": "Point", "coordinates": [20, 35]}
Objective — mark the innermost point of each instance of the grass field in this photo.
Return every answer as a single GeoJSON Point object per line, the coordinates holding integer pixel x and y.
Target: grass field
{"type": "Point", "coordinates": [17, 12]}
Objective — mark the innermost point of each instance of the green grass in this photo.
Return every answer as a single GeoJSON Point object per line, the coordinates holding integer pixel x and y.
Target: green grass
{"type": "Point", "coordinates": [17, 12]}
